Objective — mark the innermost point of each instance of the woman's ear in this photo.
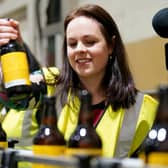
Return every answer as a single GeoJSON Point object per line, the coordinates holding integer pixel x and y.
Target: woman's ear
{"type": "Point", "coordinates": [113, 40]}
{"type": "Point", "coordinates": [111, 46]}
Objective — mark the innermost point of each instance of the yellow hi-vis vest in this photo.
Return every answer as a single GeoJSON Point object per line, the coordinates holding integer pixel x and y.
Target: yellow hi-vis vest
{"type": "Point", "coordinates": [121, 131]}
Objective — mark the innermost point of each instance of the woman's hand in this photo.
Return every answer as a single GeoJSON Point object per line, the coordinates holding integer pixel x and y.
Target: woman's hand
{"type": "Point", "coordinates": [9, 30]}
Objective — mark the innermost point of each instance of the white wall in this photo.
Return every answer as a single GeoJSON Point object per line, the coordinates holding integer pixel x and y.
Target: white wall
{"type": "Point", "coordinates": [133, 17]}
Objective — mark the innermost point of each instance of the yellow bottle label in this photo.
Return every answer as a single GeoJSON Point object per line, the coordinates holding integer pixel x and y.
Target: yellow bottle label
{"type": "Point", "coordinates": [15, 74]}
{"type": "Point", "coordinates": [80, 151]}
{"type": "Point", "coordinates": [158, 158]}
{"type": "Point", "coordinates": [47, 150]}
{"type": "Point", "coordinates": [3, 144]}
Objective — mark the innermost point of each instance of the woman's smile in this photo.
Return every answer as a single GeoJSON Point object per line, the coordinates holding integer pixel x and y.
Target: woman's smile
{"type": "Point", "coordinates": [83, 61]}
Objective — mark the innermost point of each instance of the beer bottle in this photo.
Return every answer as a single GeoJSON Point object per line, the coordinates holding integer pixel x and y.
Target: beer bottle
{"type": "Point", "coordinates": [15, 70]}
{"type": "Point", "coordinates": [49, 140]}
{"type": "Point", "coordinates": [155, 146]}
{"type": "Point", "coordinates": [84, 140]}
{"type": "Point", "coordinates": [3, 138]}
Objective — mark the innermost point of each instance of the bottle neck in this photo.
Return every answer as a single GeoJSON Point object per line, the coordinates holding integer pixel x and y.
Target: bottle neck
{"type": "Point", "coordinates": [162, 111]}
{"type": "Point", "coordinates": [85, 114]}
{"type": "Point", "coordinates": [12, 46]}
{"type": "Point", "coordinates": [3, 136]}
{"type": "Point", "coordinates": [0, 125]}
{"type": "Point", "coordinates": [49, 115]}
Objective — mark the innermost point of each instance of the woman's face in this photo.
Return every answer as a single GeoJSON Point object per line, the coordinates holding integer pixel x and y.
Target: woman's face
{"type": "Point", "coordinates": [87, 49]}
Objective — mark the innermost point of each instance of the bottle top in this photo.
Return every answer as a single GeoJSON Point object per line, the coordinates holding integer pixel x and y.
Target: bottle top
{"type": "Point", "coordinates": [85, 96]}
{"type": "Point", "coordinates": [162, 111]}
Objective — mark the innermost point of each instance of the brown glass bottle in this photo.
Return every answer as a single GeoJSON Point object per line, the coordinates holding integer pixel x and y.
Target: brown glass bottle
{"type": "Point", "coordinates": [15, 70]}
{"type": "Point", "coordinates": [49, 140]}
{"type": "Point", "coordinates": [85, 139]}
{"type": "Point", "coordinates": [3, 138]}
{"type": "Point", "coordinates": [155, 146]}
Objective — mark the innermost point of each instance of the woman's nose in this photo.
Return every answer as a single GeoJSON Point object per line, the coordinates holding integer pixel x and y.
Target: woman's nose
{"type": "Point", "coordinates": [81, 47]}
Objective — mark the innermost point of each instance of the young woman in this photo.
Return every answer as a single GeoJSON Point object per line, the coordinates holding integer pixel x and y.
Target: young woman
{"type": "Point", "coordinates": [94, 58]}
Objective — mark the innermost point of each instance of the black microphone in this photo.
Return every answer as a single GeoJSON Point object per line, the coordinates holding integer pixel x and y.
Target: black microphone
{"type": "Point", "coordinates": [160, 23]}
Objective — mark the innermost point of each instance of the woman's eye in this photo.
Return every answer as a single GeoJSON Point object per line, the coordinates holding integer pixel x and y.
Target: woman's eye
{"type": "Point", "coordinates": [90, 43]}
{"type": "Point", "coordinates": [72, 44]}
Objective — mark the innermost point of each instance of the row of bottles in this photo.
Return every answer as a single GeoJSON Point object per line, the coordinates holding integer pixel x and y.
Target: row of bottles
{"type": "Point", "coordinates": [85, 140]}
{"type": "Point", "coordinates": [50, 141]}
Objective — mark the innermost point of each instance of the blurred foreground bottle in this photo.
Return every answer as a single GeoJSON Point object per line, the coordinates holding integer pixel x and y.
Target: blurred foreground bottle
{"type": "Point", "coordinates": [48, 141]}
{"type": "Point", "coordinates": [85, 140]}
{"type": "Point", "coordinates": [155, 146]}
{"type": "Point", "coordinates": [3, 138]}
{"type": "Point", "coordinates": [15, 70]}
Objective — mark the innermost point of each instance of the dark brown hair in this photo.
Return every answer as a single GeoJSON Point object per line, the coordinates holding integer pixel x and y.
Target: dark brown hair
{"type": "Point", "coordinates": [118, 82]}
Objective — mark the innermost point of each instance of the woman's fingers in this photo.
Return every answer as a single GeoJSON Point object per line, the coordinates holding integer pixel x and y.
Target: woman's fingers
{"type": "Point", "coordinates": [9, 29]}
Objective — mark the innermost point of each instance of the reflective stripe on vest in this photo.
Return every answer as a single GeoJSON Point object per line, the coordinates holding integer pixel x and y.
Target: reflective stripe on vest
{"type": "Point", "coordinates": [128, 128]}
{"type": "Point", "coordinates": [21, 125]}
{"type": "Point", "coordinates": [26, 138]}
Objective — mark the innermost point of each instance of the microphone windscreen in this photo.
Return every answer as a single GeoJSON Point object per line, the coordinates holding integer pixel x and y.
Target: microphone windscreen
{"type": "Point", "coordinates": [160, 23]}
